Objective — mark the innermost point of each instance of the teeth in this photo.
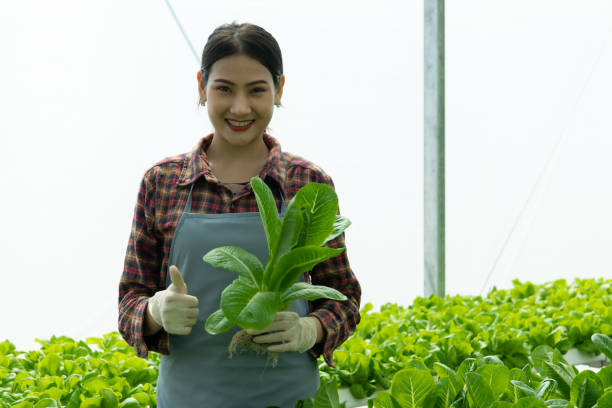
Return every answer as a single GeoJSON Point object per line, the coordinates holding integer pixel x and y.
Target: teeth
{"type": "Point", "coordinates": [234, 123]}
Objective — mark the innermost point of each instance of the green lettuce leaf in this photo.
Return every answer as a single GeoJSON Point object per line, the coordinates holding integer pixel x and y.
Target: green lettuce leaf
{"type": "Point", "coordinates": [237, 260]}
{"type": "Point", "coordinates": [243, 304]}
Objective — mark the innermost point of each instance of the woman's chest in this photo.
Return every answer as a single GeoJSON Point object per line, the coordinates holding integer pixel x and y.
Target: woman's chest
{"type": "Point", "coordinates": [203, 198]}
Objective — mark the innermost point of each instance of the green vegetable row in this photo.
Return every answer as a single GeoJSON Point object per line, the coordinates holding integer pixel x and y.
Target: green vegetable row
{"type": "Point", "coordinates": [546, 381]}
{"type": "Point", "coordinates": [67, 373]}
{"type": "Point", "coordinates": [507, 324]}
{"type": "Point", "coordinates": [458, 334]}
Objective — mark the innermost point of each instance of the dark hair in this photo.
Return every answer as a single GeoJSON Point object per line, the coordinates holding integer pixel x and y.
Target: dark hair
{"type": "Point", "coordinates": [248, 39]}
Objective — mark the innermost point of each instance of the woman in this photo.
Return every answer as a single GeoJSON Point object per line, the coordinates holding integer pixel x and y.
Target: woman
{"type": "Point", "coordinates": [193, 202]}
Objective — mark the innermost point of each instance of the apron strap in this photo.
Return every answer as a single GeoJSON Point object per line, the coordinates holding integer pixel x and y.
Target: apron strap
{"type": "Point", "coordinates": [187, 208]}
{"type": "Point", "coordinates": [188, 204]}
{"type": "Point", "coordinates": [282, 197]}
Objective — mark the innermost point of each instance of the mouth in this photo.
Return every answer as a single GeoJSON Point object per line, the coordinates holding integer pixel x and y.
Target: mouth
{"type": "Point", "coordinates": [239, 126]}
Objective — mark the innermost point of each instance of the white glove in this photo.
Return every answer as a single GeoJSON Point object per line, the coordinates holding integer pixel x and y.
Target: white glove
{"type": "Point", "coordinates": [294, 332]}
{"type": "Point", "coordinates": [173, 308]}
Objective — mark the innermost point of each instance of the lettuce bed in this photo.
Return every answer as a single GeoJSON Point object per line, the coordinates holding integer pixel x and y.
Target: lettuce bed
{"type": "Point", "coordinates": [507, 324]}
{"type": "Point", "coordinates": [69, 373]}
{"type": "Point", "coordinates": [547, 380]}
{"type": "Point", "coordinates": [457, 344]}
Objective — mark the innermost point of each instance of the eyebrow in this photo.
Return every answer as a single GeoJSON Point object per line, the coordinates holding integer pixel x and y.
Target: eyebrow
{"type": "Point", "coordinates": [261, 81]}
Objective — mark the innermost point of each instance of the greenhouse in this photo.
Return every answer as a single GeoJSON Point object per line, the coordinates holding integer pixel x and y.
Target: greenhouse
{"type": "Point", "coordinates": [468, 144]}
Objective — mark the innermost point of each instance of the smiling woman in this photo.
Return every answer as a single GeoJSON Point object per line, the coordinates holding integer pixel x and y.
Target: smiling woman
{"type": "Point", "coordinates": [240, 111]}
{"type": "Point", "coordinates": [192, 203]}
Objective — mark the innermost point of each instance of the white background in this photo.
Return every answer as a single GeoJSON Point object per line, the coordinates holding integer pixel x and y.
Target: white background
{"type": "Point", "coordinates": [94, 93]}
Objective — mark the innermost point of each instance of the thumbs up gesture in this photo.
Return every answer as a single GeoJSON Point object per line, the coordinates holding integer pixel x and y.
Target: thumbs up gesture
{"type": "Point", "coordinates": [178, 285]}
{"type": "Point", "coordinates": [173, 308]}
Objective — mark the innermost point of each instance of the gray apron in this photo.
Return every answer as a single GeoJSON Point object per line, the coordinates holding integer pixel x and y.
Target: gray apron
{"type": "Point", "coordinates": [198, 371]}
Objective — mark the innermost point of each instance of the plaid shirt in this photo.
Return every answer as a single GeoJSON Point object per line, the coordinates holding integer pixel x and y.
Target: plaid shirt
{"type": "Point", "coordinates": [159, 206]}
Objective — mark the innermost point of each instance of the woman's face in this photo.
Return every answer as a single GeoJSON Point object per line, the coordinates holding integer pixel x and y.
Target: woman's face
{"type": "Point", "coordinates": [239, 89]}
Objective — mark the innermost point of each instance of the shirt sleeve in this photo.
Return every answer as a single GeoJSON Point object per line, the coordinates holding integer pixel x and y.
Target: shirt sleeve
{"type": "Point", "coordinates": [338, 318]}
{"type": "Point", "coordinates": [141, 274]}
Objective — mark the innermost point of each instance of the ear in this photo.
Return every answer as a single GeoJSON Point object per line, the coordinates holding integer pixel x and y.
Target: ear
{"type": "Point", "coordinates": [201, 86]}
{"type": "Point", "coordinates": [279, 89]}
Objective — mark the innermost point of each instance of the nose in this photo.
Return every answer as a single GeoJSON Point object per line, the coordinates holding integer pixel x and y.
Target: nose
{"type": "Point", "coordinates": [240, 105]}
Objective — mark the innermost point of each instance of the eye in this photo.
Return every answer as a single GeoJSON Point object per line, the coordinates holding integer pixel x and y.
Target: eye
{"type": "Point", "coordinates": [259, 89]}
{"type": "Point", "coordinates": [223, 89]}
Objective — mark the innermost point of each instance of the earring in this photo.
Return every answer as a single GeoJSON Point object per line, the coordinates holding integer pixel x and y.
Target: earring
{"type": "Point", "coordinates": [203, 103]}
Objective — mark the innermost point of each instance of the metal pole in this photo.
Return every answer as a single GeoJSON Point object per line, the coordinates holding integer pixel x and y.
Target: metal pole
{"type": "Point", "coordinates": [434, 204]}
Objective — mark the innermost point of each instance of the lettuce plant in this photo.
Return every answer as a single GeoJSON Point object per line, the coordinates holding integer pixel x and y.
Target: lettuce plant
{"type": "Point", "coordinates": [507, 323]}
{"type": "Point", "coordinates": [294, 247]}
{"type": "Point", "coordinates": [97, 372]}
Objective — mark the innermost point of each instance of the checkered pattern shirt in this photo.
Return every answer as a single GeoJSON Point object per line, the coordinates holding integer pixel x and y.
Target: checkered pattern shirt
{"type": "Point", "coordinates": [161, 198]}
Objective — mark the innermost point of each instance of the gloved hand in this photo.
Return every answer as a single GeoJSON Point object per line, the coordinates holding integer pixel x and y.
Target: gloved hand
{"type": "Point", "coordinates": [173, 308]}
{"type": "Point", "coordinates": [294, 332]}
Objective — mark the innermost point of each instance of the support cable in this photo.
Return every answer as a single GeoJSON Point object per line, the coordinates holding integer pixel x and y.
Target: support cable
{"type": "Point", "coordinates": [178, 23]}
{"type": "Point", "coordinates": [538, 184]}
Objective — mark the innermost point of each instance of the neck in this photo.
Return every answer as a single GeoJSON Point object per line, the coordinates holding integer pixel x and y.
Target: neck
{"type": "Point", "coordinates": [219, 149]}
{"type": "Point", "coordinates": [232, 163]}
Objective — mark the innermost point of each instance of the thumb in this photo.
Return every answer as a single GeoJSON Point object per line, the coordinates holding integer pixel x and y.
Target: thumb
{"type": "Point", "coordinates": [177, 280]}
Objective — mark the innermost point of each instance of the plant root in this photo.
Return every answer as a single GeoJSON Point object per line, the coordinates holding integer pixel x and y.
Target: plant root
{"type": "Point", "coordinates": [244, 341]}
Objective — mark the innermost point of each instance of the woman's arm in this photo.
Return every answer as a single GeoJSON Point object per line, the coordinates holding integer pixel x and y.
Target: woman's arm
{"type": "Point", "coordinates": [339, 319]}
{"type": "Point", "coordinates": [141, 276]}
{"type": "Point", "coordinates": [150, 325]}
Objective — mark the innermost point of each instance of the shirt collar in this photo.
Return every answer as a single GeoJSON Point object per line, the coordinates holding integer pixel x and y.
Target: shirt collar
{"type": "Point", "coordinates": [196, 164]}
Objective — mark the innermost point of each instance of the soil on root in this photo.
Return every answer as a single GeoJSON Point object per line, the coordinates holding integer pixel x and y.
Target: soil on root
{"type": "Point", "coordinates": [244, 341]}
